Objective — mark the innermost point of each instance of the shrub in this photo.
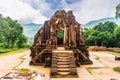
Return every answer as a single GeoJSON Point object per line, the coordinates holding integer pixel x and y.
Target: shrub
{"type": "Point", "coordinates": [116, 69]}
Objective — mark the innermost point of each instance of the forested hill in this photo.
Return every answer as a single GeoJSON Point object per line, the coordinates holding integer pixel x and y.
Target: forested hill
{"type": "Point", "coordinates": [11, 33]}
{"type": "Point", "coordinates": [95, 22]}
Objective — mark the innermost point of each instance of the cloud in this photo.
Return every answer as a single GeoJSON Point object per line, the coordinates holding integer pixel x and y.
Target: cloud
{"type": "Point", "coordinates": [37, 11]}
{"type": "Point", "coordinates": [41, 5]}
{"type": "Point", "coordinates": [21, 11]}
{"type": "Point", "coordinates": [87, 10]}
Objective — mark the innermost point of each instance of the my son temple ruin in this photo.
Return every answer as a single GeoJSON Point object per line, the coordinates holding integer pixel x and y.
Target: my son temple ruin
{"type": "Point", "coordinates": [60, 44]}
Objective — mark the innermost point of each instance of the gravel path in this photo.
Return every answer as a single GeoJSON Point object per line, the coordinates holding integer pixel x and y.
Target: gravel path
{"type": "Point", "coordinates": [10, 61]}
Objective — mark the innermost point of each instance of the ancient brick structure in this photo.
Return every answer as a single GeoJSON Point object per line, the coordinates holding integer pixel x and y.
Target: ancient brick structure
{"type": "Point", "coordinates": [61, 30]}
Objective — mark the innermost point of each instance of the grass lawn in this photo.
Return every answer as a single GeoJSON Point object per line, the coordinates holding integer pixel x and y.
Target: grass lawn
{"type": "Point", "coordinates": [114, 53]}
{"type": "Point", "coordinates": [4, 52]}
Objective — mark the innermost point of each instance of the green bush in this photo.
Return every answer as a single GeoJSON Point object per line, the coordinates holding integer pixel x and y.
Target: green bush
{"type": "Point", "coordinates": [25, 45]}
{"type": "Point", "coordinates": [116, 69]}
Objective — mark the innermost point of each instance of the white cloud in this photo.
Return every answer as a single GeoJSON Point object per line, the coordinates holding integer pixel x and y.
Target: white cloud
{"type": "Point", "coordinates": [28, 11]}
{"type": "Point", "coordinates": [42, 6]}
{"type": "Point", "coordinates": [87, 10]}
{"type": "Point", "coordinates": [21, 11]}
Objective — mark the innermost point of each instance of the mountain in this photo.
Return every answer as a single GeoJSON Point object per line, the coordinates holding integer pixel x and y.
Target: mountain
{"type": "Point", "coordinates": [95, 22]}
{"type": "Point", "coordinates": [30, 30]}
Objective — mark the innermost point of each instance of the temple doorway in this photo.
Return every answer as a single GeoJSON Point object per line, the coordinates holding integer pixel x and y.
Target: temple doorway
{"type": "Point", "coordinates": [59, 41]}
{"type": "Point", "coordinates": [60, 36]}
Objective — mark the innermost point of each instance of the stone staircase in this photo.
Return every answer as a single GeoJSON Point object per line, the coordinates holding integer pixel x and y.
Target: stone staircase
{"type": "Point", "coordinates": [63, 64]}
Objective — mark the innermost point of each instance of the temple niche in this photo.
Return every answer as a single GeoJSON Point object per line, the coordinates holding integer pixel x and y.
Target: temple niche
{"type": "Point", "coordinates": [63, 31]}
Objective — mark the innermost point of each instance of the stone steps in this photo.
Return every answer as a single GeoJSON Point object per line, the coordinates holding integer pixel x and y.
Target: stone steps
{"type": "Point", "coordinates": [62, 60]}
{"type": "Point", "coordinates": [63, 70]}
{"type": "Point", "coordinates": [63, 73]}
{"type": "Point", "coordinates": [63, 57]}
{"type": "Point", "coordinates": [62, 64]}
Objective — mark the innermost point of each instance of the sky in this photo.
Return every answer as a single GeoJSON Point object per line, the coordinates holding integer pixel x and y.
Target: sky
{"type": "Point", "coordinates": [37, 11]}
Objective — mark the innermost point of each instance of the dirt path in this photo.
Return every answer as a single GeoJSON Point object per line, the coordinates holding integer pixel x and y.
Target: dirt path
{"type": "Point", "coordinates": [107, 72]}
{"type": "Point", "coordinates": [10, 61]}
{"type": "Point", "coordinates": [104, 71]}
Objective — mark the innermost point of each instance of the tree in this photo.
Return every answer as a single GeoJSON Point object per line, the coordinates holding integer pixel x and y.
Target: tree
{"type": "Point", "coordinates": [21, 41]}
{"type": "Point", "coordinates": [117, 35]}
{"type": "Point", "coordinates": [104, 38]}
{"type": "Point", "coordinates": [9, 32]}
{"type": "Point", "coordinates": [106, 26]}
{"type": "Point", "coordinates": [101, 34]}
{"type": "Point", "coordinates": [118, 11]}
{"type": "Point", "coordinates": [90, 36]}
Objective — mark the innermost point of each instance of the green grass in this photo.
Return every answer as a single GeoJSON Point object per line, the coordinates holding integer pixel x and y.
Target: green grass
{"type": "Point", "coordinates": [24, 70]}
{"type": "Point", "coordinates": [89, 69]}
{"type": "Point", "coordinates": [114, 53]}
{"type": "Point", "coordinates": [117, 69]}
{"type": "Point", "coordinates": [22, 59]}
{"type": "Point", "coordinates": [97, 58]}
{"type": "Point", "coordinates": [117, 50]}
{"type": "Point", "coordinates": [5, 52]}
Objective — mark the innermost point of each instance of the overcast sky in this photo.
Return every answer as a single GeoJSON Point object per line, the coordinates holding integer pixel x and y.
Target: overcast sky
{"type": "Point", "coordinates": [37, 11]}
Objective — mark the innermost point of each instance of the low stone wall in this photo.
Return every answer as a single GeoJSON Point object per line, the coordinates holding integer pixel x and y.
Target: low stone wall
{"type": "Point", "coordinates": [97, 48]}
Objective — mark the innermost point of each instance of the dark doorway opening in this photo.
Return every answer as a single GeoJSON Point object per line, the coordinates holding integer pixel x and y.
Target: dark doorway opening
{"type": "Point", "coordinates": [59, 41]}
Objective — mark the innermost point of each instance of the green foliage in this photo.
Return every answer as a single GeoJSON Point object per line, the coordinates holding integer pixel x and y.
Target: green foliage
{"type": "Point", "coordinates": [21, 40]}
{"type": "Point", "coordinates": [118, 11]}
{"type": "Point", "coordinates": [11, 33]}
{"type": "Point", "coordinates": [3, 50]}
{"type": "Point", "coordinates": [107, 26]}
{"type": "Point", "coordinates": [60, 33]}
{"type": "Point", "coordinates": [104, 38]}
{"type": "Point", "coordinates": [102, 34]}
{"type": "Point", "coordinates": [117, 35]}
{"type": "Point", "coordinates": [91, 36]}
{"type": "Point", "coordinates": [116, 69]}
